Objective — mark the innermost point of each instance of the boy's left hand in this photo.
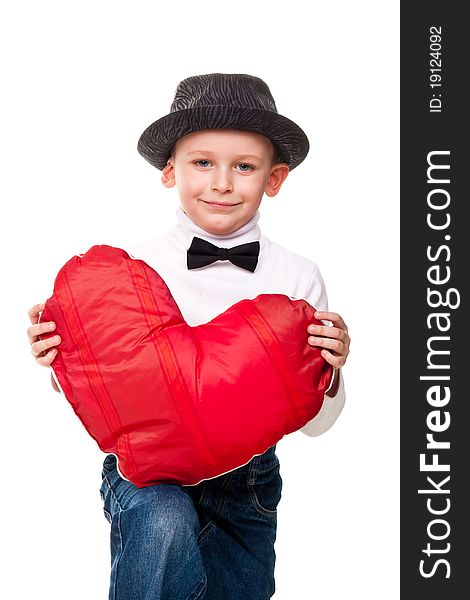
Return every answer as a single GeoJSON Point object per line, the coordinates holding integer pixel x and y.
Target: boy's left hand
{"type": "Point", "coordinates": [334, 340]}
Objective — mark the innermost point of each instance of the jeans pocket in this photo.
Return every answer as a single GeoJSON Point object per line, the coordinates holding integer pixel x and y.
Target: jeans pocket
{"type": "Point", "coordinates": [265, 488]}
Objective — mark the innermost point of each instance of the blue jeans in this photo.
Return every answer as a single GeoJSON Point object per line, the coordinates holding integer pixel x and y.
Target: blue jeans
{"type": "Point", "coordinates": [212, 541]}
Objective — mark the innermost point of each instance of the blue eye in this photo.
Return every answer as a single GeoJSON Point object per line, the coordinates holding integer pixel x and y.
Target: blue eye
{"type": "Point", "coordinates": [202, 161]}
{"type": "Point", "coordinates": [245, 165]}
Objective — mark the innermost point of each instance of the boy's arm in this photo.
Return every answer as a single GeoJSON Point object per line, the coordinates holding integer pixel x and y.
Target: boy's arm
{"type": "Point", "coordinates": [335, 396]}
{"type": "Point", "coordinates": [329, 412]}
{"type": "Point", "coordinates": [332, 389]}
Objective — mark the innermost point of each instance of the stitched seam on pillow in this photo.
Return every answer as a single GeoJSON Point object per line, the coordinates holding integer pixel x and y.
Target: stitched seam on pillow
{"type": "Point", "coordinates": [175, 383]}
{"type": "Point", "coordinates": [95, 378]}
{"type": "Point", "coordinates": [132, 268]}
{"type": "Point", "coordinates": [267, 336]}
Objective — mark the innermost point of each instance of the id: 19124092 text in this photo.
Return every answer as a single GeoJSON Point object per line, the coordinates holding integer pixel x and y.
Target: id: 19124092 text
{"type": "Point", "coordinates": [435, 69]}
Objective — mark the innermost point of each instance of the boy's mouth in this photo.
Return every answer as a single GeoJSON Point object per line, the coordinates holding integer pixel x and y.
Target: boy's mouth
{"type": "Point", "coordinates": [222, 204]}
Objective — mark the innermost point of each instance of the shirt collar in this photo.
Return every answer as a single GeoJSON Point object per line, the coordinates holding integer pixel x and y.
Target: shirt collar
{"type": "Point", "coordinates": [186, 229]}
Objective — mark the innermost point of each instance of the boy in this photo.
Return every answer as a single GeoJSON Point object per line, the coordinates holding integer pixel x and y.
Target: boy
{"type": "Point", "coordinates": [223, 145]}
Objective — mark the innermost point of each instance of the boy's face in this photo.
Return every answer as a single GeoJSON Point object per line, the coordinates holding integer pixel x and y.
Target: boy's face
{"type": "Point", "coordinates": [221, 176]}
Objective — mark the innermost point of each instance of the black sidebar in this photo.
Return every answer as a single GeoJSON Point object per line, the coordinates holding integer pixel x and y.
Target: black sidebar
{"type": "Point", "coordinates": [435, 336]}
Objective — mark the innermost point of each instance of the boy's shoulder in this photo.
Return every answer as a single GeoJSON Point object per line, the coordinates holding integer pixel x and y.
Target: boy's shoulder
{"type": "Point", "coordinates": [280, 254]}
{"type": "Point", "coordinates": [295, 274]}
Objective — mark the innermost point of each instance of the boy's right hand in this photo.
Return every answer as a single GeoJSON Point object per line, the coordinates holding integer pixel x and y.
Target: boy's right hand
{"type": "Point", "coordinates": [43, 350]}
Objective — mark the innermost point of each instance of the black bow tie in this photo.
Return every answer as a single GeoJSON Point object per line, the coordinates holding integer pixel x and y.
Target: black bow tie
{"type": "Point", "coordinates": [202, 253]}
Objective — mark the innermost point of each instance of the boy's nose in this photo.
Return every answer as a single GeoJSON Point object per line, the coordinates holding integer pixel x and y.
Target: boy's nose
{"type": "Point", "coordinates": [222, 182]}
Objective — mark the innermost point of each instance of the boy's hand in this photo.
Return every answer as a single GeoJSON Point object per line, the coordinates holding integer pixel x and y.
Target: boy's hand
{"type": "Point", "coordinates": [334, 340]}
{"type": "Point", "coordinates": [42, 350]}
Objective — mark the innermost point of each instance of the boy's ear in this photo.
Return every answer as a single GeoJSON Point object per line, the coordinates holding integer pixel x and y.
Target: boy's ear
{"type": "Point", "coordinates": [278, 175]}
{"type": "Point", "coordinates": [168, 174]}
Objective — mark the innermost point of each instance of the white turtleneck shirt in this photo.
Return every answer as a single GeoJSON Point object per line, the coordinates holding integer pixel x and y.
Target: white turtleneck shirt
{"type": "Point", "coordinates": [205, 292]}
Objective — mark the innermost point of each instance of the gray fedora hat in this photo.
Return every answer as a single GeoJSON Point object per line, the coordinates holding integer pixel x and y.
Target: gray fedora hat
{"type": "Point", "coordinates": [223, 101]}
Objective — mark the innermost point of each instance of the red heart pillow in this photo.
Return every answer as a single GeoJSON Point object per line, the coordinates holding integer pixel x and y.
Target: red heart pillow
{"type": "Point", "coordinates": [179, 404]}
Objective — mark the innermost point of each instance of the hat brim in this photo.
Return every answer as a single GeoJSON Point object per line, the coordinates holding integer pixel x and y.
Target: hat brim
{"type": "Point", "coordinates": [158, 138]}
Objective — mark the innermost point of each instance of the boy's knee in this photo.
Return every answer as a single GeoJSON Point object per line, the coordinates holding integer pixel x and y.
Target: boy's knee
{"type": "Point", "coordinates": [166, 515]}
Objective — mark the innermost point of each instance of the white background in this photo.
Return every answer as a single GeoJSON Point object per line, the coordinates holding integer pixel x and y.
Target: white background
{"type": "Point", "coordinates": [80, 83]}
